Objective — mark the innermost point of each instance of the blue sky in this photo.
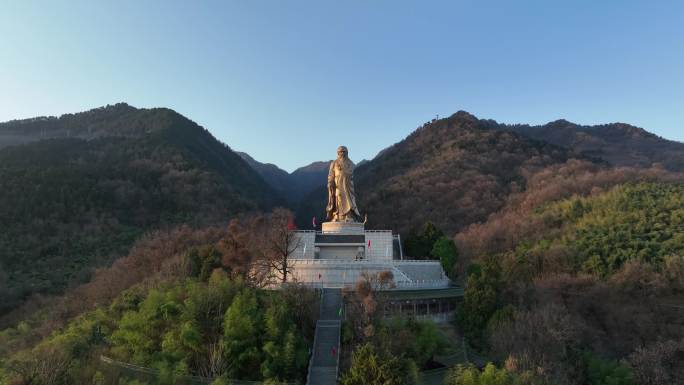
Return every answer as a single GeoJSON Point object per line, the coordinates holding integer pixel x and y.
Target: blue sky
{"type": "Point", "coordinates": [289, 81]}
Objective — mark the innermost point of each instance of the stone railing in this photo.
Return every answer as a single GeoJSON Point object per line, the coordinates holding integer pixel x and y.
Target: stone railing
{"type": "Point", "coordinates": [308, 261]}
{"type": "Point", "coordinates": [402, 285]}
{"type": "Point", "coordinates": [415, 261]}
{"type": "Point", "coordinates": [419, 284]}
{"type": "Point", "coordinates": [346, 262]}
{"type": "Point", "coordinates": [320, 232]}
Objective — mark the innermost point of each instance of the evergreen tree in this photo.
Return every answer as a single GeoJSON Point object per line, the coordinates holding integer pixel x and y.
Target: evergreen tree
{"type": "Point", "coordinates": [242, 329]}
{"type": "Point", "coordinates": [445, 251]}
{"type": "Point", "coordinates": [419, 245]}
{"type": "Point", "coordinates": [368, 367]}
{"type": "Point", "coordinates": [481, 300]}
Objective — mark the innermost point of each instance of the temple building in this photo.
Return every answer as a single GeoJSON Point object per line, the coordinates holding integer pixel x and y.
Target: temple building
{"type": "Point", "coordinates": [339, 254]}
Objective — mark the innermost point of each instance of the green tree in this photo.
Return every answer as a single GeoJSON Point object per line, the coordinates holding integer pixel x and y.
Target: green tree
{"type": "Point", "coordinates": [427, 342]}
{"type": "Point", "coordinates": [202, 261]}
{"type": "Point", "coordinates": [607, 372]}
{"type": "Point", "coordinates": [419, 245]}
{"type": "Point", "coordinates": [370, 368]}
{"type": "Point", "coordinates": [242, 329]}
{"type": "Point", "coordinates": [481, 300]}
{"type": "Point", "coordinates": [418, 341]}
{"type": "Point", "coordinates": [285, 352]}
{"type": "Point", "coordinates": [490, 375]}
{"type": "Point", "coordinates": [445, 250]}
{"type": "Point", "coordinates": [140, 333]}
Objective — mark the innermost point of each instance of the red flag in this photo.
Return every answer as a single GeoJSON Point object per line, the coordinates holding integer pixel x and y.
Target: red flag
{"type": "Point", "coordinates": [313, 222]}
{"type": "Point", "coordinates": [369, 243]}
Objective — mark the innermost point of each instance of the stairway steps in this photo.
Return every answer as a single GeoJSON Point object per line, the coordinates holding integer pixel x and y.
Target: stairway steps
{"type": "Point", "coordinates": [325, 356]}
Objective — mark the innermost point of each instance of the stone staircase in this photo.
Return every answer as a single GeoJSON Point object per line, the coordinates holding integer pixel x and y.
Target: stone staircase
{"type": "Point", "coordinates": [323, 366]}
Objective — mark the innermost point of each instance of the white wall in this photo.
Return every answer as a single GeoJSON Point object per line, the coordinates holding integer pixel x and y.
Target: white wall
{"type": "Point", "coordinates": [381, 245]}
{"type": "Point", "coordinates": [305, 250]}
{"type": "Point", "coordinates": [348, 253]}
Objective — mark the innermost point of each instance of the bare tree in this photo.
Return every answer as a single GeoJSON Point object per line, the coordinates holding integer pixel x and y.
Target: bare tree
{"type": "Point", "coordinates": [211, 361]}
{"type": "Point", "coordinates": [659, 363]}
{"type": "Point", "coordinates": [366, 300]}
{"type": "Point", "coordinates": [236, 255]}
{"type": "Point", "coordinates": [541, 338]}
{"type": "Point", "coordinates": [46, 365]}
{"type": "Point", "coordinates": [277, 244]}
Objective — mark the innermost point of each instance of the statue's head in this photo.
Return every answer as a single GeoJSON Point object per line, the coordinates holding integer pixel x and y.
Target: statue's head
{"type": "Point", "coordinates": [342, 152]}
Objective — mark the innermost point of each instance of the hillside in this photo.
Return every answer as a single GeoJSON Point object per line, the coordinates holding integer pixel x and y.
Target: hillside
{"type": "Point", "coordinates": [208, 320]}
{"type": "Point", "coordinates": [618, 143]}
{"type": "Point", "coordinates": [452, 172]}
{"type": "Point", "coordinates": [525, 217]}
{"type": "Point", "coordinates": [599, 233]}
{"type": "Point", "coordinates": [70, 204]}
{"type": "Point", "coordinates": [588, 259]}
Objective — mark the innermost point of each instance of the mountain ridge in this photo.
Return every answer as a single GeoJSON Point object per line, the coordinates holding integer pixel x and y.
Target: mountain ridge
{"type": "Point", "coordinates": [620, 144]}
{"type": "Point", "coordinates": [97, 122]}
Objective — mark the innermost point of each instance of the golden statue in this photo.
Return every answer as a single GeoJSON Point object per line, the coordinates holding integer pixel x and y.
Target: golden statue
{"type": "Point", "coordinates": [341, 197]}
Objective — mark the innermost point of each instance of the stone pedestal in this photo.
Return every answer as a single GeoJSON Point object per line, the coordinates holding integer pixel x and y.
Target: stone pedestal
{"type": "Point", "coordinates": [343, 228]}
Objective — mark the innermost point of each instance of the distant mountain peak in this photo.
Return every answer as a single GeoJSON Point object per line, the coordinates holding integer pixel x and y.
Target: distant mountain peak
{"type": "Point", "coordinates": [253, 162]}
{"type": "Point", "coordinates": [313, 167]}
{"type": "Point", "coordinates": [293, 186]}
{"type": "Point", "coordinates": [462, 114]}
{"type": "Point", "coordinates": [561, 122]}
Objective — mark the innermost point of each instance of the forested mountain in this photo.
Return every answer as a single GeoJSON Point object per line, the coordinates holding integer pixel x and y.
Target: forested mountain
{"type": "Point", "coordinates": [80, 199]}
{"type": "Point", "coordinates": [310, 177]}
{"type": "Point", "coordinates": [569, 262]}
{"type": "Point", "coordinates": [80, 178]}
{"type": "Point", "coordinates": [294, 186]}
{"type": "Point", "coordinates": [276, 177]}
{"type": "Point", "coordinates": [452, 172]}
{"type": "Point", "coordinates": [618, 143]}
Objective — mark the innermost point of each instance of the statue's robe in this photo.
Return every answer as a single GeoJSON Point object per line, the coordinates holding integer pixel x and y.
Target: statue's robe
{"type": "Point", "coordinates": [341, 197]}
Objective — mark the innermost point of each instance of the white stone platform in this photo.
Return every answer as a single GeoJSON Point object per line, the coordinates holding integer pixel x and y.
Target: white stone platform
{"type": "Point", "coordinates": [327, 273]}
{"type": "Point", "coordinates": [343, 252]}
